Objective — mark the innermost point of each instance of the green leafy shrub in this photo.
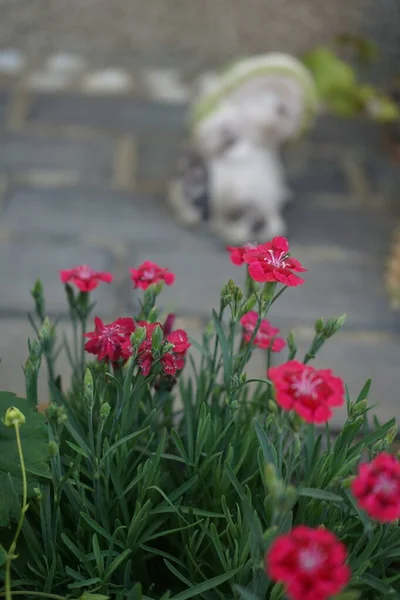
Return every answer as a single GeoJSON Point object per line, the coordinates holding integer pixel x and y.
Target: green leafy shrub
{"type": "Point", "coordinates": [145, 484]}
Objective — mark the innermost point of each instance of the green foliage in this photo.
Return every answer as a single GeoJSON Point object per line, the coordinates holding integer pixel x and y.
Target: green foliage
{"type": "Point", "coordinates": [34, 442]}
{"type": "Point", "coordinates": [145, 493]}
{"type": "Point", "coordinates": [340, 89]}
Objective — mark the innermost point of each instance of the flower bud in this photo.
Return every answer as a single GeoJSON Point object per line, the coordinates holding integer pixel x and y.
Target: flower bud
{"type": "Point", "coordinates": [357, 409]}
{"type": "Point", "coordinates": [209, 330]}
{"type": "Point", "coordinates": [88, 387]}
{"type": "Point", "coordinates": [138, 336]}
{"type": "Point", "coordinates": [167, 347]}
{"type": "Point", "coordinates": [319, 325]}
{"type": "Point", "coordinates": [13, 417]}
{"type": "Point", "coordinates": [62, 416]}
{"type": "Point", "coordinates": [168, 324]}
{"type": "Point", "coordinates": [275, 486]}
{"type": "Point", "coordinates": [157, 337]}
{"type": "Point", "coordinates": [105, 410]}
{"type": "Point", "coordinates": [52, 449]}
{"type": "Point", "coordinates": [37, 290]}
{"type": "Point", "coordinates": [391, 435]}
{"type": "Point", "coordinates": [37, 294]}
{"type": "Point", "coordinates": [225, 297]}
{"type": "Point", "coordinates": [379, 447]}
{"type": "Point", "coordinates": [35, 353]}
{"type": "Point", "coordinates": [38, 493]}
{"type": "Point", "coordinates": [270, 533]}
{"type": "Point", "coordinates": [29, 369]}
{"type": "Point", "coordinates": [269, 421]}
{"type": "Point", "coordinates": [238, 296]}
{"type": "Point", "coordinates": [290, 498]}
{"type": "Point", "coordinates": [272, 406]}
{"type": "Point", "coordinates": [46, 330]}
{"type": "Point", "coordinates": [333, 325]}
{"type": "Point", "coordinates": [346, 482]}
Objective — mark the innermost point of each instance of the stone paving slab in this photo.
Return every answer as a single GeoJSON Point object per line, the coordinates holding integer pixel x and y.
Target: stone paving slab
{"type": "Point", "coordinates": [384, 177]}
{"type": "Point", "coordinates": [320, 173]}
{"type": "Point", "coordinates": [200, 272]}
{"type": "Point", "coordinates": [120, 114]}
{"type": "Point", "coordinates": [90, 161]}
{"type": "Point", "coordinates": [90, 213]}
{"type": "Point", "coordinates": [358, 229]}
{"type": "Point", "coordinates": [23, 260]}
{"type": "Point", "coordinates": [336, 287]}
{"type": "Point", "coordinates": [157, 157]}
{"type": "Point", "coordinates": [4, 99]}
{"type": "Point", "coordinates": [355, 132]}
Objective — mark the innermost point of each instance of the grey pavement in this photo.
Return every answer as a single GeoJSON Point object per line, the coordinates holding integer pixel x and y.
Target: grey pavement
{"type": "Point", "coordinates": [82, 179]}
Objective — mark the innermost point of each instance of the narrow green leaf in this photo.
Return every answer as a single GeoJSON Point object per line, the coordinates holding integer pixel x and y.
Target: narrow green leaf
{"type": "Point", "coordinates": [371, 438]}
{"type": "Point", "coordinates": [319, 494]}
{"type": "Point", "coordinates": [127, 438]}
{"type": "Point", "coordinates": [158, 552]}
{"type": "Point", "coordinates": [78, 449]}
{"type": "Point", "coordinates": [224, 349]}
{"type": "Point", "coordinates": [245, 594]}
{"type": "Point", "coordinates": [116, 563]}
{"type": "Point", "coordinates": [97, 555]}
{"type": "Point", "coordinates": [177, 574]}
{"type": "Point", "coordinates": [198, 347]}
{"type": "Point", "coordinates": [179, 446]}
{"type": "Point", "coordinates": [365, 391]}
{"type": "Point", "coordinates": [100, 530]}
{"type": "Point", "coordinates": [206, 585]}
{"type": "Point", "coordinates": [84, 583]}
{"type": "Point", "coordinates": [377, 584]}
{"type": "Point", "coordinates": [198, 512]}
{"type": "Point", "coordinates": [72, 547]}
{"type": "Point", "coordinates": [267, 448]}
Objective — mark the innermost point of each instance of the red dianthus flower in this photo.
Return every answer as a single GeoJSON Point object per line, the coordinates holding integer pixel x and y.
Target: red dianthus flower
{"type": "Point", "coordinates": [309, 562]}
{"type": "Point", "coordinates": [270, 263]}
{"type": "Point", "coordinates": [149, 273]}
{"type": "Point", "coordinates": [85, 278]}
{"type": "Point", "coordinates": [107, 341]}
{"type": "Point", "coordinates": [310, 392]}
{"type": "Point", "coordinates": [265, 334]}
{"type": "Point", "coordinates": [377, 488]}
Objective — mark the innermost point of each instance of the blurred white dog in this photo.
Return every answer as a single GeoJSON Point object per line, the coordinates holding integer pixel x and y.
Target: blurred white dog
{"type": "Point", "coordinates": [233, 171]}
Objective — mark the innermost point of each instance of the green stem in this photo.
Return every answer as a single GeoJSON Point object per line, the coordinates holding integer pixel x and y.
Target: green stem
{"type": "Point", "coordinates": [214, 360]}
{"type": "Point", "coordinates": [75, 331]}
{"type": "Point", "coordinates": [24, 508]}
{"type": "Point", "coordinates": [83, 361]}
{"type": "Point", "coordinates": [269, 360]}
